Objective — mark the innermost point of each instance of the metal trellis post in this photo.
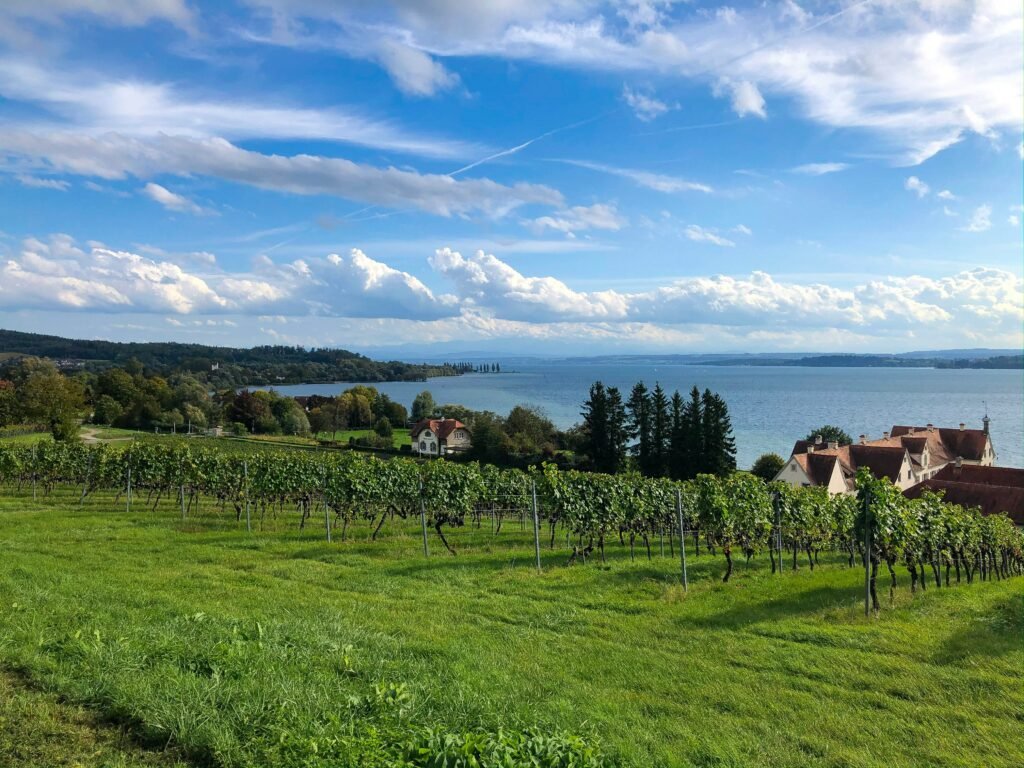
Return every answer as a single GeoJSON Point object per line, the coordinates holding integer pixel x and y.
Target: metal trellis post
{"type": "Point", "coordinates": [867, 552]}
{"type": "Point", "coordinates": [245, 476]}
{"type": "Point", "coordinates": [536, 524]}
{"type": "Point", "coordinates": [423, 523]}
{"type": "Point", "coordinates": [682, 538]}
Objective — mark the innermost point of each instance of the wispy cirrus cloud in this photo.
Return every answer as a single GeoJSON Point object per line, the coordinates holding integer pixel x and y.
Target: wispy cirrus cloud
{"type": "Point", "coordinates": [659, 182]}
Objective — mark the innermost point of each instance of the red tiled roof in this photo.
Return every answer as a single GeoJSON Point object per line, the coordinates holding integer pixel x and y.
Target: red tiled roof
{"type": "Point", "coordinates": [974, 473]}
{"type": "Point", "coordinates": [991, 499]}
{"type": "Point", "coordinates": [968, 443]}
{"type": "Point", "coordinates": [441, 427]}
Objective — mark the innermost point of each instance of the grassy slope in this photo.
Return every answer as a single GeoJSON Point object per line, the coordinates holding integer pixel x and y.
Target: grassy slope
{"type": "Point", "coordinates": [225, 642]}
{"type": "Point", "coordinates": [37, 730]}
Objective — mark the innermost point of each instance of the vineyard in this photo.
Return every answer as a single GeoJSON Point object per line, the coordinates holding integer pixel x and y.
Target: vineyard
{"type": "Point", "coordinates": [739, 516]}
{"type": "Point", "coordinates": [248, 606]}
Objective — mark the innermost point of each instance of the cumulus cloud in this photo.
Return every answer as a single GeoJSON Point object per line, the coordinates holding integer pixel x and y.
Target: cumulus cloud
{"type": "Point", "coordinates": [580, 218]}
{"type": "Point", "coordinates": [113, 156]}
{"type": "Point", "coordinates": [1013, 220]}
{"type": "Point", "coordinates": [60, 275]}
{"type": "Point", "coordinates": [978, 298]}
{"type": "Point", "coordinates": [657, 181]}
{"type": "Point", "coordinates": [945, 195]}
{"type": "Point", "coordinates": [645, 107]}
{"type": "Point", "coordinates": [486, 281]}
{"type": "Point", "coordinates": [915, 185]}
{"type": "Point", "coordinates": [819, 169]}
{"type": "Point", "coordinates": [699, 234]}
{"type": "Point", "coordinates": [413, 71]}
{"type": "Point", "coordinates": [981, 219]}
{"type": "Point", "coordinates": [172, 201]}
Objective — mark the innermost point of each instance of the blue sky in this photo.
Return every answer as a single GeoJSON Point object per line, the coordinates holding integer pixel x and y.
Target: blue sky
{"type": "Point", "coordinates": [556, 176]}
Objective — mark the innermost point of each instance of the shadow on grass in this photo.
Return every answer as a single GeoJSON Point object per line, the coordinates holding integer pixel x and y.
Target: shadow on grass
{"type": "Point", "coordinates": [792, 604]}
{"type": "Point", "coordinates": [1001, 633]}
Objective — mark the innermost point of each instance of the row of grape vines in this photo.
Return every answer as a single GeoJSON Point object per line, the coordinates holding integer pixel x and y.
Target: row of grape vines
{"type": "Point", "coordinates": [735, 515]}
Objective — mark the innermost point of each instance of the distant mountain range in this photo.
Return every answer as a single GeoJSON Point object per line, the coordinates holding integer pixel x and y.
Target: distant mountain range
{"type": "Point", "coordinates": [291, 364]}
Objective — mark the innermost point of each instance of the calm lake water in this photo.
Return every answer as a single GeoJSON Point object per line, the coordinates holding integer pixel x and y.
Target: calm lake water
{"type": "Point", "coordinates": [770, 406]}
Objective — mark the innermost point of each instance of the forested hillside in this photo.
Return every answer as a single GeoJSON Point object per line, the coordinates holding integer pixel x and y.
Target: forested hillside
{"type": "Point", "coordinates": [220, 366]}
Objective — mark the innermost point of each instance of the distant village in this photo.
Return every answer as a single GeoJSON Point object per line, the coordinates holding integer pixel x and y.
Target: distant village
{"type": "Point", "coordinates": [958, 461]}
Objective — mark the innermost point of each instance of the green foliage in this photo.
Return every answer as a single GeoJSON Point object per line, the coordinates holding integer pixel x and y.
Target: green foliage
{"type": "Point", "coordinates": [767, 466]}
{"type": "Point", "coordinates": [533, 748]}
{"type": "Point", "coordinates": [829, 433]}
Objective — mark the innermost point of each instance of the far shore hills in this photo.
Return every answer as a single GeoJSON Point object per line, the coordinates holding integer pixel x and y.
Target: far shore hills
{"type": "Point", "coordinates": [278, 364]}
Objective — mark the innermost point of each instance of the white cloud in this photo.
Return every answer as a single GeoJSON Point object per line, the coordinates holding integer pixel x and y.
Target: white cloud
{"type": "Point", "coordinates": [113, 156]}
{"type": "Point", "coordinates": [172, 201]}
{"type": "Point", "coordinates": [488, 282]}
{"type": "Point", "coordinates": [981, 219]}
{"type": "Point", "coordinates": [917, 76]}
{"type": "Point", "coordinates": [39, 183]}
{"type": "Point", "coordinates": [699, 234]}
{"type": "Point", "coordinates": [946, 195]}
{"type": "Point", "coordinates": [59, 275]}
{"type": "Point", "coordinates": [132, 13]}
{"type": "Point", "coordinates": [819, 169]}
{"type": "Point", "coordinates": [949, 211]}
{"type": "Point", "coordinates": [742, 229]}
{"type": "Point", "coordinates": [1013, 220]}
{"type": "Point", "coordinates": [94, 106]}
{"type": "Point", "coordinates": [978, 299]}
{"type": "Point", "coordinates": [580, 218]}
{"type": "Point", "coordinates": [656, 181]}
{"type": "Point", "coordinates": [746, 98]}
{"type": "Point", "coordinates": [413, 71]}
{"type": "Point", "coordinates": [915, 185]}
{"type": "Point", "coordinates": [645, 107]}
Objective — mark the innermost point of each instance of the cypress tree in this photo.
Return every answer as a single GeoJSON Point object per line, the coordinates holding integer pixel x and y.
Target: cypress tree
{"type": "Point", "coordinates": [677, 439]}
{"type": "Point", "coordinates": [639, 410]}
{"type": "Point", "coordinates": [692, 436]}
{"type": "Point", "coordinates": [661, 427]}
{"type": "Point", "coordinates": [719, 445]}
{"type": "Point", "coordinates": [595, 423]}
{"type": "Point", "coordinates": [617, 434]}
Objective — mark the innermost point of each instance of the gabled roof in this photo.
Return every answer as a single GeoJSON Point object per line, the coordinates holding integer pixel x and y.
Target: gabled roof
{"type": "Point", "coordinates": [441, 427]}
{"type": "Point", "coordinates": [968, 443]}
{"type": "Point", "coordinates": [816, 466]}
{"type": "Point", "coordinates": [883, 461]}
{"type": "Point", "coordinates": [991, 499]}
{"type": "Point", "coordinates": [975, 473]}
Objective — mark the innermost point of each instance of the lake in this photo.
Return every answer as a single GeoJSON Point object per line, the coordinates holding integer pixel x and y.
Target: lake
{"type": "Point", "coordinates": [770, 406]}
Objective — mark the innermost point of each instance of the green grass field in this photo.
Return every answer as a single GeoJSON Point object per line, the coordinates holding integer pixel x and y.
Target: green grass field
{"type": "Point", "coordinates": [277, 648]}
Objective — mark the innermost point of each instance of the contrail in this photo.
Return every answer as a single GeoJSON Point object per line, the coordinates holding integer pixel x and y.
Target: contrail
{"type": "Point", "coordinates": [525, 144]}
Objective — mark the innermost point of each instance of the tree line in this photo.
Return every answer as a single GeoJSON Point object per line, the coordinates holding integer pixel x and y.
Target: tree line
{"type": "Point", "coordinates": [658, 435]}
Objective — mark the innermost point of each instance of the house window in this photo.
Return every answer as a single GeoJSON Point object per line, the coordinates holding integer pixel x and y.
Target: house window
{"type": "Point", "coordinates": [792, 468]}
{"type": "Point", "coordinates": [426, 433]}
{"type": "Point", "coordinates": [423, 446]}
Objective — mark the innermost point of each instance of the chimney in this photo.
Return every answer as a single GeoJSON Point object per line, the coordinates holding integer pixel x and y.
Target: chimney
{"type": "Point", "coordinates": [931, 427]}
{"type": "Point", "coordinates": [863, 439]}
{"type": "Point", "coordinates": [959, 462]}
{"type": "Point", "coordinates": [910, 430]}
{"type": "Point", "coordinates": [817, 439]}
{"type": "Point", "coordinates": [810, 449]}
{"type": "Point", "coordinates": [885, 435]}
{"type": "Point", "coordinates": [833, 444]}
{"type": "Point", "coordinates": [962, 425]}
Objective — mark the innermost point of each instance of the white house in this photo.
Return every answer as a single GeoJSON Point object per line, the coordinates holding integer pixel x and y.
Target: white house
{"type": "Point", "coordinates": [440, 437]}
{"type": "Point", "coordinates": [906, 455]}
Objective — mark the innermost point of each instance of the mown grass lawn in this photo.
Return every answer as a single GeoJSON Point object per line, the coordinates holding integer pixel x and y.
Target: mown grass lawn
{"type": "Point", "coordinates": [277, 648]}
